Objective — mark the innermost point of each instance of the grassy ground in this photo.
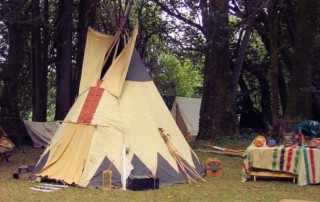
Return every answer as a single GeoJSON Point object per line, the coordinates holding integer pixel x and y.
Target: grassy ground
{"type": "Point", "coordinates": [228, 187]}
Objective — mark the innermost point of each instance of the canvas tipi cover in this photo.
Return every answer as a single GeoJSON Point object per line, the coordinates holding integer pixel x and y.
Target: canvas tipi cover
{"type": "Point", "coordinates": [124, 110]}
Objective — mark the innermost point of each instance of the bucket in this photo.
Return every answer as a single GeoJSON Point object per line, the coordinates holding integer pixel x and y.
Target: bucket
{"type": "Point", "coordinates": [23, 173]}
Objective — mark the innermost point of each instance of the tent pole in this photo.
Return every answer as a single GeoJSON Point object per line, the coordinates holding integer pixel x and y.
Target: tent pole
{"type": "Point", "coordinates": [124, 168]}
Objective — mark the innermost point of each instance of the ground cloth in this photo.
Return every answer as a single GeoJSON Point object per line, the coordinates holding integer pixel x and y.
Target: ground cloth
{"type": "Point", "coordinates": [48, 187]}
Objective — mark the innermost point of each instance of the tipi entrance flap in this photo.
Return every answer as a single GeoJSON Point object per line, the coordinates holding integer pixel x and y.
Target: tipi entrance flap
{"type": "Point", "coordinates": [67, 161]}
{"type": "Point", "coordinates": [97, 45]}
{"type": "Point", "coordinates": [114, 78]}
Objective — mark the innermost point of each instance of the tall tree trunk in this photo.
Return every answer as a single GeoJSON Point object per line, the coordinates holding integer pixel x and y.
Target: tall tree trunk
{"type": "Point", "coordinates": [299, 102]}
{"type": "Point", "coordinates": [217, 113]}
{"type": "Point", "coordinates": [17, 40]}
{"type": "Point", "coordinates": [82, 31]}
{"type": "Point", "coordinates": [9, 99]}
{"type": "Point", "coordinates": [63, 101]}
{"type": "Point", "coordinates": [265, 96]}
{"type": "Point", "coordinates": [240, 57]}
{"type": "Point", "coordinates": [9, 96]}
{"type": "Point", "coordinates": [39, 74]}
{"type": "Point", "coordinates": [45, 56]}
{"type": "Point", "coordinates": [274, 66]}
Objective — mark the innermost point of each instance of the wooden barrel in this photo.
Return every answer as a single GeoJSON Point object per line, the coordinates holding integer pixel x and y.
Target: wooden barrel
{"type": "Point", "coordinates": [213, 167]}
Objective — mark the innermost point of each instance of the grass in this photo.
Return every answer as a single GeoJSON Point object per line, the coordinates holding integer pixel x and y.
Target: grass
{"type": "Point", "coordinates": [228, 187]}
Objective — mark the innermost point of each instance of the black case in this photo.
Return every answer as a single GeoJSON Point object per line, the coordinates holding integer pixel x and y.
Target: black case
{"type": "Point", "coordinates": [144, 182]}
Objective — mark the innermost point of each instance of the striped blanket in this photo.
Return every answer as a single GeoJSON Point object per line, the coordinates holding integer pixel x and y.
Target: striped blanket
{"type": "Point", "coordinates": [303, 161]}
{"type": "Point", "coordinates": [48, 187]}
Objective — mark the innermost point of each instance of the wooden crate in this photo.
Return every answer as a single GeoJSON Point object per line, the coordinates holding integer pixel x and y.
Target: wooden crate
{"type": "Point", "coordinates": [213, 167]}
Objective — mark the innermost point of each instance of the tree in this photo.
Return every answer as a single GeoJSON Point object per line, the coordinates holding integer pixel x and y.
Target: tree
{"type": "Point", "coordinates": [217, 111]}
{"type": "Point", "coordinates": [217, 115]}
{"type": "Point", "coordinates": [17, 41]}
{"type": "Point", "coordinates": [273, 23]}
{"type": "Point", "coordinates": [83, 9]}
{"type": "Point", "coordinates": [64, 65]}
{"type": "Point", "coordinates": [176, 78]}
{"type": "Point", "coordinates": [39, 66]}
{"type": "Point", "coordinates": [300, 104]}
{"type": "Point", "coordinates": [15, 16]}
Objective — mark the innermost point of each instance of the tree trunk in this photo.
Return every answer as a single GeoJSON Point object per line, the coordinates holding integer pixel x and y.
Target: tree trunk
{"type": "Point", "coordinates": [9, 96]}
{"type": "Point", "coordinates": [274, 66]}
{"type": "Point", "coordinates": [299, 102]}
{"type": "Point", "coordinates": [45, 56]}
{"type": "Point", "coordinates": [64, 38]}
{"type": "Point", "coordinates": [9, 99]}
{"type": "Point", "coordinates": [265, 95]}
{"type": "Point", "coordinates": [240, 57]}
{"type": "Point", "coordinates": [39, 73]}
{"type": "Point", "coordinates": [18, 34]}
{"type": "Point", "coordinates": [217, 112]}
{"type": "Point", "coordinates": [82, 32]}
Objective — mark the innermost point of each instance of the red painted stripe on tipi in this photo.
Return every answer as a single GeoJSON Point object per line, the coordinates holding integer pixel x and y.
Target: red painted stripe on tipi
{"type": "Point", "coordinates": [91, 104]}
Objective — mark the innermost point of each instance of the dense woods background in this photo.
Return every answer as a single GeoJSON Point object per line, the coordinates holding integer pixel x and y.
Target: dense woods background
{"type": "Point", "coordinates": [254, 63]}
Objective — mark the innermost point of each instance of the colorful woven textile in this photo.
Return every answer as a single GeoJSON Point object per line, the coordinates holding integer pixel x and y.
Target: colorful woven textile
{"type": "Point", "coordinates": [303, 161]}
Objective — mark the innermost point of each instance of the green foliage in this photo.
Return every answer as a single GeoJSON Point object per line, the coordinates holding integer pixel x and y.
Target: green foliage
{"type": "Point", "coordinates": [177, 78]}
{"type": "Point", "coordinates": [51, 103]}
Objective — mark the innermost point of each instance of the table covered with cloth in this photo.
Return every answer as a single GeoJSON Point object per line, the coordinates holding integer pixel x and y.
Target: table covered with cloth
{"type": "Point", "coordinates": [302, 161]}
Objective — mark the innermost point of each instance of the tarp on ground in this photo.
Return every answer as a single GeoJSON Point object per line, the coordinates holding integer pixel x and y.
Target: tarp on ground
{"type": "Point", "coordinates": [41, 133]}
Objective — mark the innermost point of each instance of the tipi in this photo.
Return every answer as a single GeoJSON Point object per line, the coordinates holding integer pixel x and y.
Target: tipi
{"type": "Point", "coordinates": [115, 123]}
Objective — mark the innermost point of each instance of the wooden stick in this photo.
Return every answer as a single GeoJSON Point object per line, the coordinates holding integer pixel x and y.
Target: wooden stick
{"type": "Point", "coordinates": [178, 158]}
{"type": "Point", "coordinates": [119, 32]}
{"type": "Point", "coordinates": [225, 149]}
{"type": "Point", "coordinates": [221, 152]}
{"type": "Point", "coordinates": [88, 124]}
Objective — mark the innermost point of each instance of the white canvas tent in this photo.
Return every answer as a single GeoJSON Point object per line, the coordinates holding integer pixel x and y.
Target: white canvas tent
{"type": "Point", "coordinates": [115, 123]}
{"type": "Point", "coordinates": [41, 133]}
{"type": "Point", "coordinates": [186, 113]}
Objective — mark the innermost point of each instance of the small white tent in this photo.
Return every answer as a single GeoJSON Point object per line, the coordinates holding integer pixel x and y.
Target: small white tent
{"type": "Point", "coordinates": [186, 113]}
{"type": "Point", "coordinates": [117, 120]}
